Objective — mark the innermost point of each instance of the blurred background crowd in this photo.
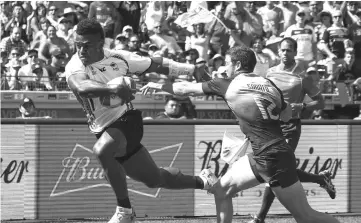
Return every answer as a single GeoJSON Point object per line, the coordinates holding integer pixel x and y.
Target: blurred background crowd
{"type": "Point", "coordinates": [37, 38]}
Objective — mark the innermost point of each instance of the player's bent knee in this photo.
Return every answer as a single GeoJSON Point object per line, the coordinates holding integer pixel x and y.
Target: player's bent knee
{"type": "Point", "coordinates": [221, 193]}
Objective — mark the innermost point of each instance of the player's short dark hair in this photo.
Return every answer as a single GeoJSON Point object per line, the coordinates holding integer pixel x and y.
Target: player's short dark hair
{"type": "Point", "coordinates": [294, 43]}
{"type": "Point", "coordinates": [244, 55]}
{"type": "Point", "coordinates": [89, 27]}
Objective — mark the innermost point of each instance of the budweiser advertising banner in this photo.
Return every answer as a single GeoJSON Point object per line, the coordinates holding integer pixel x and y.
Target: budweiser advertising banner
{"type": "Point", "coordinates": [72, 185]}
{"type": "Point", "coordinates": [320, 147]}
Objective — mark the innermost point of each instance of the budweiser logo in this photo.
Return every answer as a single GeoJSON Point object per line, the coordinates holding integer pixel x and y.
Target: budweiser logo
{"type": "Point", "coordinates": [81, 171]}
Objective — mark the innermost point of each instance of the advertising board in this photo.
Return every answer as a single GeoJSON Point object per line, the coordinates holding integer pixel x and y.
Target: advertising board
{"type": "Point", "coordinates": [319, 147]}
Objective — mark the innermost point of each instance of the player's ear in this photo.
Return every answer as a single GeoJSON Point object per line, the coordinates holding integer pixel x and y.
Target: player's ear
{"type": "Point", "coordinates": [238, 65]}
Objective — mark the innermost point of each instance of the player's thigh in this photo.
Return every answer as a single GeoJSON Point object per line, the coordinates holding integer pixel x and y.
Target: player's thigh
{"type": "Point", "coordinates": [141, 167]}
{"type": "Point", "coordinates": [293, 198]}
{"type": "Point", "coordinates": [112, 141]}
{"type": "Point", "coordinates": [239, 176]}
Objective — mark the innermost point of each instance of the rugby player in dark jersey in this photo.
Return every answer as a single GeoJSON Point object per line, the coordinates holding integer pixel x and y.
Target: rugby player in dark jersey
{"type": "Point", "coordinates": [258, 105]}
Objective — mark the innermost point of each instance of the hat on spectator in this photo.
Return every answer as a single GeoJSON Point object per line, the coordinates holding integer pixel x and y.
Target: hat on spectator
{"type": "Point", "coordinates": [152, 45]}
{"type": "Point", "coordinates": [311, 69]}
{"type": "Point", "coordinates": [200, 60]}
{"type": "Point", "coordinates": [302, 11]}
{"type": "Point", "coordinates": [33, 51]}
{"type": "Point", "coordinates": [127, 27]}
{"type": "Point", "coordinates": [215, 57]}
{"type": "Point", "coordinates": [325, 13]}
{"type": "Point", "coordinates": [68, 10]}
{"type": "Point", "coordinates": [62, 19]}
{"type": "Point", "coordinates": [120, 35]}
{"type": "Point", "coordinates": [191, 50]}
{"type": "Point", "coordinates": [26, 102]}
{"type": "Point", "coordinates": [336, 13]}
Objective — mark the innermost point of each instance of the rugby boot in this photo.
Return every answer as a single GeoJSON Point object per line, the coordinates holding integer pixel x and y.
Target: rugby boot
{"type": "Point", "coordinates": [123, 215]}
{"type": "Point", "coordinates": [328, 185]}
{"type": "Point", "coordinates": [256, 220]}
{"type": "Point", "coordinates": [209, 179]}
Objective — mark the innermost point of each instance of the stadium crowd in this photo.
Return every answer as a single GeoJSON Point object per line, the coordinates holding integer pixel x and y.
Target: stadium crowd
{"type": "Point", "coordinates": [37, 37]}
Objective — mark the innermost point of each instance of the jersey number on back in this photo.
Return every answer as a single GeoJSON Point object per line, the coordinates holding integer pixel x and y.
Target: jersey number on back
{"type": "Point", "coordinates": [268, 109]}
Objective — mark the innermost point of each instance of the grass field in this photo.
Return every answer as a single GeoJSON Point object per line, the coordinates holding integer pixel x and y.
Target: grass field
{"type": "Point", "coordinates": [237, 219]}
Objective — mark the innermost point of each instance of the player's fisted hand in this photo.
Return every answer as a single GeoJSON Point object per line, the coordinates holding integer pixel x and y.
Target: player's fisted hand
{"type": "Point", "coordinates": [296, 108]}
{"type": "Point", "coordinates": [150, 88]}
{"type": "Point", "coordinates": [200, 73]}
{"type": "Point", "coordinates": [124, 92]}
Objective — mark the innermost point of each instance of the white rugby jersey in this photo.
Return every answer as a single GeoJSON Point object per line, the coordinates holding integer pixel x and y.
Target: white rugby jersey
{"type": "Point", "coordinates": [115, 64]}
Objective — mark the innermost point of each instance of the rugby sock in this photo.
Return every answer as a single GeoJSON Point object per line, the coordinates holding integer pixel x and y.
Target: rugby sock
{"type": "Point", "coordinates": [125, 203]}
{"type": "Point", "coordinates": [172, 178]}
{"type": "Point", "coordinates": [267, 201]}
{"type": "Point", "coordinates": [309, 177]}
{"type": "Point", "coordinates": [199, 182]}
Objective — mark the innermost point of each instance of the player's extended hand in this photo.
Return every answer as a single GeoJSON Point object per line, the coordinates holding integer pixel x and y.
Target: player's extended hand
{"type": "Point", "coordinates": [200, 73]}
{"type": "Point", "coordinates": [296, 109]}
{"type": "Point", "coordinates": [150, 88]}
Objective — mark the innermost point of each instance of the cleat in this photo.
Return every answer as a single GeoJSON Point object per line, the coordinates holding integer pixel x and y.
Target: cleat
{"type": "Point", "coordinates": [328, 185]}
{"type": "Point", "coordinates": [209, 179]}
{"type": "Point", "coordinates": [256, 220]}
{"type": "Point", "coordinates": [123, 215]}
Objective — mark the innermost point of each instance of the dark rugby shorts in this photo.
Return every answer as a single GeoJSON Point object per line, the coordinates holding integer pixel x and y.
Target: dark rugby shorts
{"type": "Point", "coordinates": [292, 132]}
{"type": "Point", "coordinates": [131, 126]}
{"type": "Point", "coordinates": [275, 165]}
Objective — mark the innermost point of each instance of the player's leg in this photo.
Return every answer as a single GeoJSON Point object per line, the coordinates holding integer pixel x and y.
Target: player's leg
{"type": "Point", "coordinates": [140, 165]}
{"type": "Point", "coordinates": [240, 176]}
{"type": "Point", "coordinates": [112, 144]}
{"type": "Point", "coordinates": [300, 210]}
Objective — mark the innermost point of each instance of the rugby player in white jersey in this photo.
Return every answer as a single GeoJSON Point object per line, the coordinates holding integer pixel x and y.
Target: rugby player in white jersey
{"type": "Point", "coordinates": [119, 127]}
{"type": "Point", "coordinates": [258, 105]}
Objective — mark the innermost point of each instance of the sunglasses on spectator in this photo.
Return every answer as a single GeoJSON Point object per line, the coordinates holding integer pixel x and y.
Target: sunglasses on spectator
{"type": "Point", "coordinates": [337, 16]}
{"type": "Point", "coordinates": [53, 9]}
{"type": "Point", "coordinates": [135, 41]}
{"type": "Point", "coordinates": [15, 54]}
{"type": "Point", "coordinates": [301, 14]}
{"type": "Point", "coordinates": [33, 56]}
{"type": "Point", "coordinates": [122, 39]}
{"type": "Point", "coordinates": [156, 27]}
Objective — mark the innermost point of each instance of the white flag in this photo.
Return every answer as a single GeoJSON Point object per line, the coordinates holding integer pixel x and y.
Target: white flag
{"type": "Point", "coordinates": [233, 148]}
{"type": "Point", "coordinates": [198, 13]}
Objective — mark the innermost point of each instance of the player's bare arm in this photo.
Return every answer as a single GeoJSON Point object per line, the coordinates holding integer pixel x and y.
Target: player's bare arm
{"type": "Point", "coordinates": [180, 88]}
{"type": "Point", "coordinates": [91, 88]}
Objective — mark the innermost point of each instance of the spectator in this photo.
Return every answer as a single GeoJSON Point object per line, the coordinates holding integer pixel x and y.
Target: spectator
{"type": "Point", "coordinates": [28, 110]}
{"type": "Point", "coordinates": [70, 15]}
{"type": "Point", "coordinates": [13, 41]}
{"type": "Point", "coordinates": [164, 42]}
{"type": "Point", "coordinates": [121, 42]}
{"type": "Point", "coordinates": [350, 13]}
{"type": "Point", "coordinates": [127, 31]}
{"type": "Point", "coordinates": [305, 37]}
{"type": "Point", "coordinates": [63, 29]}
{"type": "Point", "coordinates": [143, 35]}
{"type": "Point", "coordinates": [12, 74]}
{"type": "Point", "coordinates": [134, 46]}
{"type": "Point", "coordinates": [289, 13]}
{"type": "Point", "coordinates": [326, 22]}
{"type": "Point", "coordinates": [53, 15]}
{"type": "Point", "coordinates": [264, 61]}
{"type": "Point", "coordinates": [273, 19]}
{"type": "Point", "coordinates": [336, 38]}
{"type": "Point", "coordinates": [18, 20]}
{"type": "Point", "coordinates": [355, 36]}
{"type": "Point", "coordinates": [252, 22]}
{"type": "Point", "coordinates": [56, 69]}
{"type": "Point", "coordinates": [152, 48]}
{"type": "Point", "coordinates": [346, 70]}
{"type": "Point", "coordinates": [130, 11]}
{"type": "Point", "coordinates": [34, 77]}
{"type": "Point", "coordinates": [172, 110]}
{"type": "Point", "coordinates": [200, 39]}
{"type": "Point", "coordinates": [31, 56]}
{"type": "Point", "coordinates": [52, 41]}
{"type": "Point", "coordinates": [107, 15]}
{"type": "Point", "coordinates": [216, 62]}
{"type": "Point", "coordinates": [34, 26]}
{"type": "Point", "coordinates": [41, 35]}
{"type": "Point", "coordinates": [155, 12]}
{"type": "Point", "coordinates": [220, 38]}
{"type": "Point", "coordinates": [4, 16]}
{"type": "Point", "coordinates": [191, 56]}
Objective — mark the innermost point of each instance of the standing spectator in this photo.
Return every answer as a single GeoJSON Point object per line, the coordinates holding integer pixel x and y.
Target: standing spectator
{"type": "Point", "coordinates": [252, 22]}
{"type": "Point", "coordinates": [130, 11]}
{"type": "Point", "coordinates": [163, 41]}
{"type": "Point", "coordinates": [107, 15]}
{"type": "Point", "coordinates": [34, 26]}
{"type": "Point", "coordinates": [12, 75]}
{"type": "Point", "coordinates": [289, 13]}
{"type": "Point", "coordinates": [315, 9]}
{"type": "Point", "coordinates": [305, 37]}
{"type": "Point", "coordinates": [134, 46]}
{"type": "Point", "coordinates": [18, 20]}
{"type": "Point", "coordinates": [13, 41]}
{"type": "Point", "coordinates": [264, 61]}
{"type": "Point", "coordinates": [4, 16]}
{"type": "Point", "coordinates": [53, 15]}
{"type": "Point", "coordinates": [336, 38]}
{"type": "Point", "coordinates": [52, 41]}
{"type": "Point", "coordinates": [273, 19]}
{"type": "Point", "coordinates": [355, 36]}
{"type": "Point", "coordinates": [155, 13]}
{"type": "Point", "coordinates": [350, 13]}
{"type": "Point", "coordinates": [41, 35]}
{"type": "Point", "coordinates": [200, 39]}
{"type": "Point", "coordinates": [172, 110]}
{"type": "Point", "coordinates": [326, 22]}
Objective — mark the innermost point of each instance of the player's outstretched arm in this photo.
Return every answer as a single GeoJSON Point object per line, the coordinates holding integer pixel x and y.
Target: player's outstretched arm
{"type": "Point", "coordinates": [180, 88]}
{"type": "Point", "coordinates": [175, 69]}
{"type": "Point", "coordinates": [85, 87]}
